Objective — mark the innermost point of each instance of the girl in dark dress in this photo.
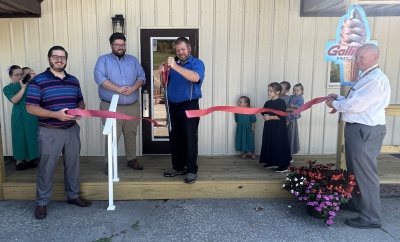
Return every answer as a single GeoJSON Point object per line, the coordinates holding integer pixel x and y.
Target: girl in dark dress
{"type": "Point", "coordinates": [275, 149]}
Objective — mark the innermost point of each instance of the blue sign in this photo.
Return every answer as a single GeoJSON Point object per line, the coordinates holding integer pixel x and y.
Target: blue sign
{"type": "Point", "coordinates": [352, 32]}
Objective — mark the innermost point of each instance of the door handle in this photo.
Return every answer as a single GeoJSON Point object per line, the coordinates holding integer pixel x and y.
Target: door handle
{"type": "Point", "coordinates": [146, 104]}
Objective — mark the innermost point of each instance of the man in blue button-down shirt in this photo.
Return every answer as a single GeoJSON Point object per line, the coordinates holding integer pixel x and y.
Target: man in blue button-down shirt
{"type": "Point", "coordinates": [122, 74]}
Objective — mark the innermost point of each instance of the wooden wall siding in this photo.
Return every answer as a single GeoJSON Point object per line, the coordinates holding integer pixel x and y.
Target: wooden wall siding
{"type": "Point", "coordinates": [245, 44]}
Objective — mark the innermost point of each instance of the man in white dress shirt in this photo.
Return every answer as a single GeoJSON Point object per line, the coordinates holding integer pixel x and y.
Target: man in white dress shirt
{"type": "Point", "coordinates": [363, 110]}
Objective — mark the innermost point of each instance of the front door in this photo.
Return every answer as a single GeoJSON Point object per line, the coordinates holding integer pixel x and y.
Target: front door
{"type": "Point", "coordinates": [156, 46]}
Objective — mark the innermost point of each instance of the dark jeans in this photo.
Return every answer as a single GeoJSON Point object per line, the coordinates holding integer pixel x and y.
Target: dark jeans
{"type": "Point", "coordinates": [183, 136]}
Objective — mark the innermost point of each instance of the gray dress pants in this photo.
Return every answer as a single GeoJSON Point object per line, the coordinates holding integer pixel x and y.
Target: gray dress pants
{"type": "Point", "coordinates": [362, 146]}
{"type": "Point", "coordinates": [53, 143]}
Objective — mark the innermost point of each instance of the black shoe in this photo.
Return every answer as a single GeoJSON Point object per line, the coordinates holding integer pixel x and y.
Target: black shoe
{"type": "Point", "coordinates": [361, 223]}
{"type": "Point", "coordinates": [190, 178]}
{"type": "Point", "coordinates": [32, 163]}
{"type": "Point", "coordinates": [20, 166]}
{"type": "Point", "coordinates": [172, 172]}
{"type": "Point", "coordinates": [282, 170]}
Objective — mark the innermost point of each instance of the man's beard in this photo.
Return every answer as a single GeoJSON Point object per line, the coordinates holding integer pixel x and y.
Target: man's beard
{"type": "Point", "coordinates": [117, 54]}
{"type": "Point", "coordinates": [183, 59]}
{"type": "Point", "coordinates": [57, 69]}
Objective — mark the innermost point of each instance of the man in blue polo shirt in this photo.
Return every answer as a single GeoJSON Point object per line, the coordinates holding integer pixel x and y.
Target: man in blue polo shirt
{"type": "Point", "coordinates": [183, 92]}
{"type": "Point", "coordinates": [49, 95]}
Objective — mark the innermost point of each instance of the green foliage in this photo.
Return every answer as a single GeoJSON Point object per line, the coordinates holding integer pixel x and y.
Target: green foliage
{"type": "Point", "coordinates": [165, 46]}
{"type": "Point", "coordinates": [335, 73]}
{"type": "Point", "coordinates": [159, 58]}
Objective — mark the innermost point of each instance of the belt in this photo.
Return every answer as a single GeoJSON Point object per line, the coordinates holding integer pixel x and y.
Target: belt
{"type": "Point", "coordinates": [50, 126]}
{"type": "Point", "coordinates": [118, 103]}
{"type": "Point", "coordinates": [184, 102]}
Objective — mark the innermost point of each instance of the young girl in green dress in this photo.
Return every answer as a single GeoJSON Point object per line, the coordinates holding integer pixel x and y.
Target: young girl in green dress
{"type": "Point", "coordinates": [24, 126]}
{"type": "Point", "coordinates": [245, 124]}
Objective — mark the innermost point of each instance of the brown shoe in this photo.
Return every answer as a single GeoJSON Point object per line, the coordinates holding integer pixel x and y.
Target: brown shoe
{"type": "Point", "coordinates": [81, 202]}
{"type": "Point", "coordinates": [40, 212]}
{"type": "Point", "coordinates": [134, 164]}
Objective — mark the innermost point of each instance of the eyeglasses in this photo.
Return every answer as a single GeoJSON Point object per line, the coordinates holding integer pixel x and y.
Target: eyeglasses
{"type": "Point", "coordinates": [119, 45]}
{"type": "Point", "coordinates": [56, 57]}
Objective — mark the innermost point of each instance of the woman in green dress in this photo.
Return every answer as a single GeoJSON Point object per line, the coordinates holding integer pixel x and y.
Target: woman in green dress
{"type": "Point", "coordinates": [24, 126]}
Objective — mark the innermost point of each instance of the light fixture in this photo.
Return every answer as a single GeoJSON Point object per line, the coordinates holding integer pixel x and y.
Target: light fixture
{"type": "Point", "coordinates": [118, 23]}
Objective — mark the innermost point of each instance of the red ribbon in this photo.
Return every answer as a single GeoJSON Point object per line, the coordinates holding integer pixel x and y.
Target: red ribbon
{"type": "Point", "coordinates": [105, 114]}
{"type": "Point", "coordinates": [241, 110]}
{"type": "Point", "coordinates": [164, 75]}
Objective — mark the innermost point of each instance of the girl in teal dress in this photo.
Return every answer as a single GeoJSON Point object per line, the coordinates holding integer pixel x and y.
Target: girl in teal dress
{"type": "Point", "coordinates": [24, 126]}
{"type": "Point", "coordinates": [245, 123]}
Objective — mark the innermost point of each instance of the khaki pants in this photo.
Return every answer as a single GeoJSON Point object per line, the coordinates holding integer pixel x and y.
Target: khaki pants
{"type": "Point", "coordinates": [127, 127]}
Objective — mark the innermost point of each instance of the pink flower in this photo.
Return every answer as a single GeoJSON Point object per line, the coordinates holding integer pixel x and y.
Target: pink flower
{"type": "Point", "coordinates": [321, 187]}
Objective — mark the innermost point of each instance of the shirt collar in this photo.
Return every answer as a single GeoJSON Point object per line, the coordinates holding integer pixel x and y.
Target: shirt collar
{"type": "Point", "coordinates": [187, 61]}
{"type": "Point", "coordinates": [50, 74]}
{"type": "Point", "coordinates": [367, 70]}
{"type": "Point", "coordinates": [117, 58]}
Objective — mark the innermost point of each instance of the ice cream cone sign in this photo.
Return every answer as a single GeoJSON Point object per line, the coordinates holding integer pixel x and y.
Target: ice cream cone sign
{"type": "Point", "coordinates": [351, 33]}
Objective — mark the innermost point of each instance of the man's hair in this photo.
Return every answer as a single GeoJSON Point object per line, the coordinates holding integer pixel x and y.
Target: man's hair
{"type": "Point", "coordinates": [370, 47]}
{"type": "Point", "coordinates": [56, 47]}
{"type": "Point", "coordinates": [12, 68]}
{"type": "Point", "coordinates": [182, 39]}
{"type": "Point", "coordinates": [116, 36]}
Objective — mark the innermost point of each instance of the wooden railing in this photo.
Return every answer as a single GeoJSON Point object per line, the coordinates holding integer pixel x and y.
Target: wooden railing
{"type": "Point", "coordinates": [391, 110]}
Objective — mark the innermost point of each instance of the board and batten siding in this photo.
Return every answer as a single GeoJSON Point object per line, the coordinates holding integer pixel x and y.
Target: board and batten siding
{"type": "Point", "coordinates": [245, 45]}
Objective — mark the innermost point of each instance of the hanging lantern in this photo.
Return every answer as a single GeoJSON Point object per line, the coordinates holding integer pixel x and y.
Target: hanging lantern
{"type": "Point", "coordinates": [118, 23]}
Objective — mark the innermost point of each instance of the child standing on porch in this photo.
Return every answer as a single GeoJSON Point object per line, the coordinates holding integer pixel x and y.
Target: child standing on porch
{"type": "Point", "coordinates": [245, 124]}
{"type": "Point", "coordinates": [275, 149]}
{"type": "Point", "coordinates": [296, 100]}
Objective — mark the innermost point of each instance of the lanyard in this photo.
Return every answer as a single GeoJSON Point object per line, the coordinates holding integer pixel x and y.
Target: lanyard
{"type": "Point", "coordinates": [360, 77]}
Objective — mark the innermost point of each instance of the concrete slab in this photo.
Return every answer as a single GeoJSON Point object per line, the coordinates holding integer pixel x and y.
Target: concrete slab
{"type": "Point", "coordinates": [188, 220]}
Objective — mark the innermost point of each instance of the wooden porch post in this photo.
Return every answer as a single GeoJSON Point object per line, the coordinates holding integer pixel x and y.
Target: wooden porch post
{"type": "Point", "coordinates": [340, 157]}
{"type": "Point", "coordinates": [2, 168]}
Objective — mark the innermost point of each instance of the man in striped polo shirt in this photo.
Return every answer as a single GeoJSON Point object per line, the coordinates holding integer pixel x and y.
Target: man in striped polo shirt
{"type": "Point", "coordinates": [49, 95]}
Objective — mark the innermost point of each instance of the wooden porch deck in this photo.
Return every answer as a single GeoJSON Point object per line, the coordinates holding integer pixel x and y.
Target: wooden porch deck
{"type": "Point", "coordinates": [218, 177]}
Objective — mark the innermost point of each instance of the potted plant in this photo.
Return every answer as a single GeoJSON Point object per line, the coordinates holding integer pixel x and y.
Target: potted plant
{"type": "Point", "coordinates": [322, 188]}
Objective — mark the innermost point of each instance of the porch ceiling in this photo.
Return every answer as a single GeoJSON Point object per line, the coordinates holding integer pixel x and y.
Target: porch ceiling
{"type": "Point", "coordinates": [337, 8]}
{"type": "Point", "coordinates": [20, 8]}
